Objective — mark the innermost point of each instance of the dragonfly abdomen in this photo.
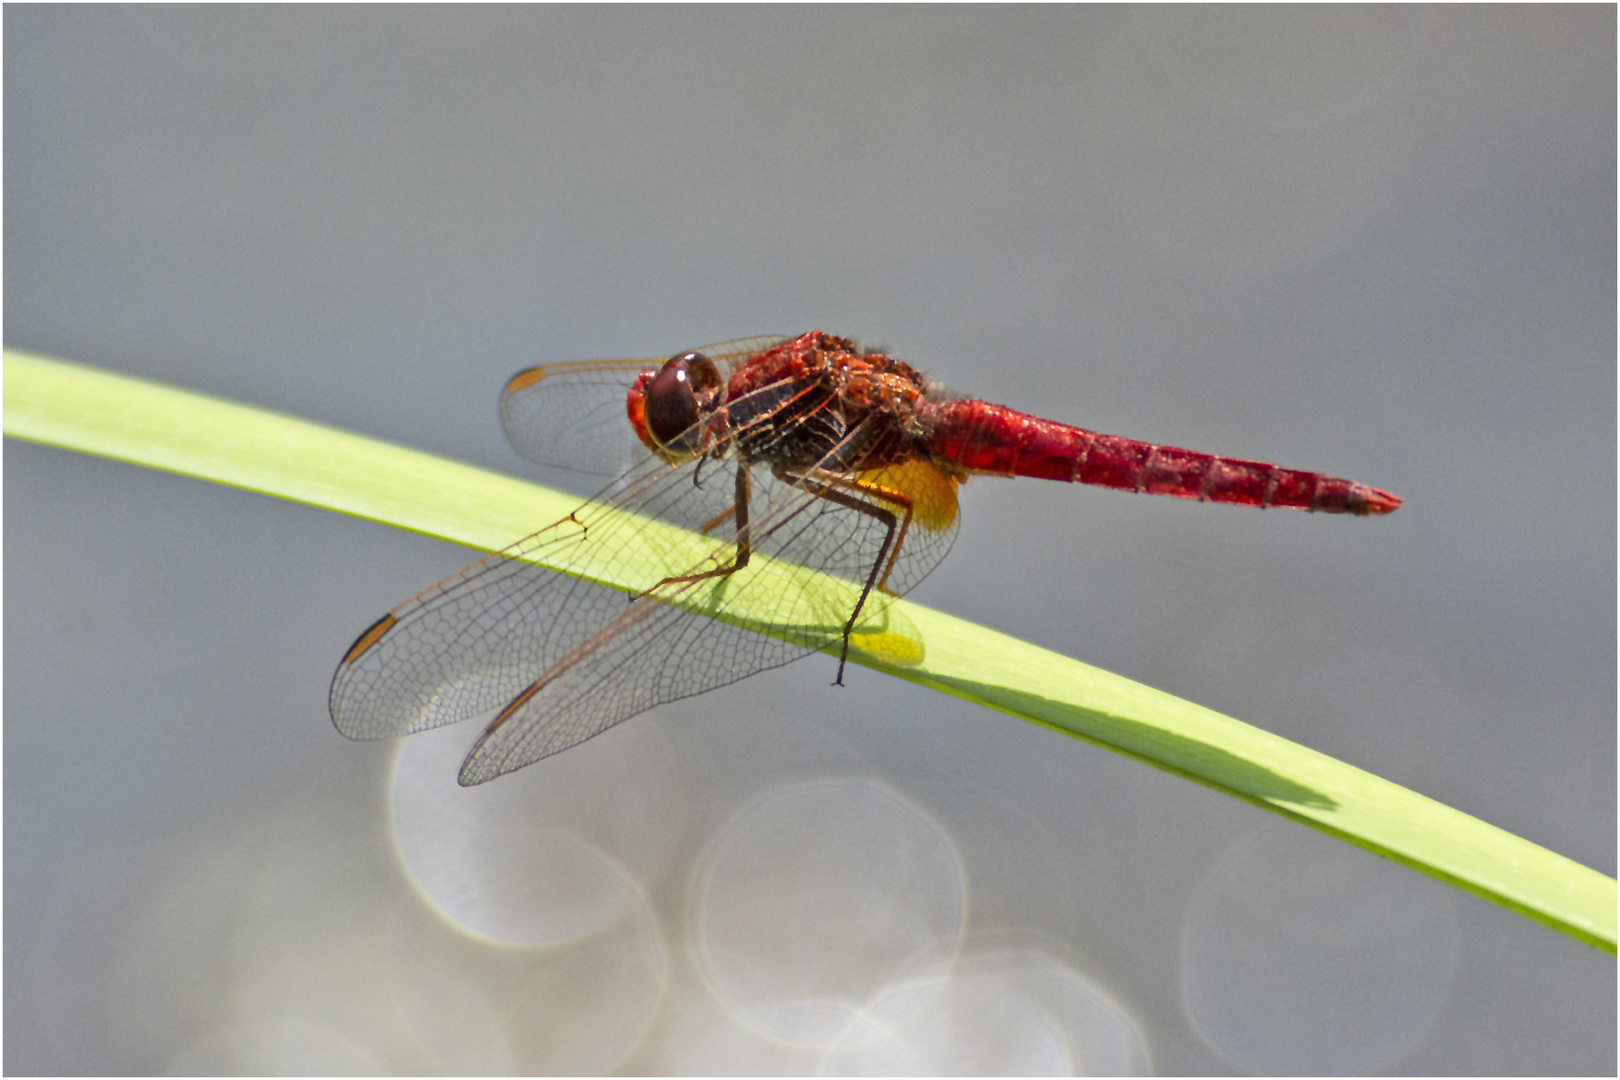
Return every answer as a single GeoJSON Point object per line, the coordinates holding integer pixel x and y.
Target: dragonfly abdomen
{"type": "Point", "coordinates": [985, 438]}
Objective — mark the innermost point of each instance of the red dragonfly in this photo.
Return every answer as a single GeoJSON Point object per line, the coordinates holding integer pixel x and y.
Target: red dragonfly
{"type": "Point", "coordinates": [813, 483]}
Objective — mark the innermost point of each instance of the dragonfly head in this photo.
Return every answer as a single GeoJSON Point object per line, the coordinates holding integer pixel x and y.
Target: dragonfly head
{"type": "Point", "coordinates": [665, 406]}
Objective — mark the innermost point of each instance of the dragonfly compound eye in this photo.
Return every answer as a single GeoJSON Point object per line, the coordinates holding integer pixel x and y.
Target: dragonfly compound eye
{"type": "Point", "coordinates": [684, 388]}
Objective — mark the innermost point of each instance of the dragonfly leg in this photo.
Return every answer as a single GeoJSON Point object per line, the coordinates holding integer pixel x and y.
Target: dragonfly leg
{"type": "Point", "coordinates": [889, 495]}
{"type": "Point", "coordinates": [837, 489]}
{"type": "Point", "coordinates": [738, 561]}
{"type": "Point", "coordinates": [719, 519]}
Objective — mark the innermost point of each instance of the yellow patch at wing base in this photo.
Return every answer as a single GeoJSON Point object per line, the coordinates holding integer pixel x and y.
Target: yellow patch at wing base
{"type": "Point", "coordinates": [932, 493]}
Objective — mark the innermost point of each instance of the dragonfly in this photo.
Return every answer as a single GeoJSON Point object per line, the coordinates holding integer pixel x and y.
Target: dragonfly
{"type": "Point", "coordinates": [771, 498]}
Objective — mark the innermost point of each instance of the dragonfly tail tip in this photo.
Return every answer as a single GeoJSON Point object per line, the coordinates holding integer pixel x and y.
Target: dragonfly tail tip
{"type": "Point", "coordinates": [1378, 503]}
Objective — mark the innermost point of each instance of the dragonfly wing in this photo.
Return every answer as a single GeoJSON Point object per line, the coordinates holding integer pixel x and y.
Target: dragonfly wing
{"type": "Point", "coordinates": [572, 415]}
{"type": "Point", "coordinates": [470, 644]}
{"type": "Point", "coordinates": [730, 353]}
{"type": "Point", "coordinates": [557, 657]}
{"type": "Point", "coordinates": [461, 649]}
{"type": "Point", "coordinates": [813, 560]}
{"type": "Point", "coordinates": [655, 652]}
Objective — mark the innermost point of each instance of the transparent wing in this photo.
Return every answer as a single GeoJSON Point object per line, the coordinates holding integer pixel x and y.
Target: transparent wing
{"type": "Point", "coordinates": [561, 658]}
{"type": "Point", "coordinates": [572, 415]}
{"type": "Point", "coordinates": [684, 639]}
{"type": "Point", "coordinates": [470, 644]}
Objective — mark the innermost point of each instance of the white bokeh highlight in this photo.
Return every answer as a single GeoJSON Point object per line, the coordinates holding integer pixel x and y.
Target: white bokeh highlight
{"type": "Point", "coordinates": [996, 1013]}
{"type": "Point", "coordinates": [813, 896]}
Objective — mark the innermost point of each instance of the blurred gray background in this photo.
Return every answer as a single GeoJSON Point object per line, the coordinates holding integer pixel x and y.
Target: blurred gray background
{"type": "Point", "coordinates": [1378, 243]}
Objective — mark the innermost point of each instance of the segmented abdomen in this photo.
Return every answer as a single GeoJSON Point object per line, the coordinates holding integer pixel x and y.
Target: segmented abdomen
{"type": "Point", "coordinates": [986, 438]}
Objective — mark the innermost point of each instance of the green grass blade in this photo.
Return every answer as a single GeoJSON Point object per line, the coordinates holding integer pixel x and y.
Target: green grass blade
{"type": "Point", "coordinates": [99, 412]}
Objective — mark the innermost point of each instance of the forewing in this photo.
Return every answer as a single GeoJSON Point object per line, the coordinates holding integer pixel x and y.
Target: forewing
{"type": "Point", "coordinates": [572, 415]}
{"type": "Point", "coordinates": [470, 644]}
{"type": "Point", "coordinates": [728, 354]}
{"type": "Point", "coordinates": [688, 637]}
{"type": "Point", "coordinates": [563, 658]}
